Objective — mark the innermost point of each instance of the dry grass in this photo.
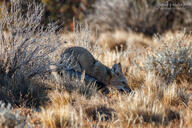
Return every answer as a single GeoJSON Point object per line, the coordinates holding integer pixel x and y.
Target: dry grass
{"type": "Point", "coordinates": [159, 98]}
{"type": "Point", "coordinates": [153, 103]}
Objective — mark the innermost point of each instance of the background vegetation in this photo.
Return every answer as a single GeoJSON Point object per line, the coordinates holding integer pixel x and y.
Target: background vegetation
{"type": "Point", "coordinates": [146, 16]}
{"type": "Point", "coordinates": [154, 46]}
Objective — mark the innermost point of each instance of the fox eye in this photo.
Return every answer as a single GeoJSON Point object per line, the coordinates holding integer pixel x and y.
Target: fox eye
{"type": "Point", "coordinates": [123, 82]}
{"type": "Point", "coordinates": [60, 73]}
{"type": "Point", "coordinates": [118, 74]}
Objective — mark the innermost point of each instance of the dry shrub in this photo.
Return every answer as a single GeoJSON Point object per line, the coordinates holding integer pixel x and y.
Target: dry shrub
{"type": "Point", "coordinates": [24, 51]}
{"type": "Point", "coordinates": [173, 61]}
{"type": "Point", "coordinates": [24, 93]}
{"type": "Point", "coordinates": [13, 118]}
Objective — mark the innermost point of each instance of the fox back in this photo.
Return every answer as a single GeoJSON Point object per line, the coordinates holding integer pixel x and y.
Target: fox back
{"type": "Point", "coordinates": [81, 60]}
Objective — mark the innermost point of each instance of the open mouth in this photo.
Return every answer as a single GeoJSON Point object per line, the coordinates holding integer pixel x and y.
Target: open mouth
{"type": "Point", "coordinates": [123, 89]}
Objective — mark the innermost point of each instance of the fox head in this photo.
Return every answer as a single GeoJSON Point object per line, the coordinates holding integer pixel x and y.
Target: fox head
{"type": "Point", "coordinates": [117, 78]}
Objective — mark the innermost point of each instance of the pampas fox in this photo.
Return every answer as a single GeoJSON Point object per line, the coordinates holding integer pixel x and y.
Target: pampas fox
{"type": "Point", "coordinates": [81, 60]}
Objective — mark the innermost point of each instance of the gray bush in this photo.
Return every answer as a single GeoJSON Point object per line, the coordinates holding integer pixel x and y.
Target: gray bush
{"type": "Point", "coordinates": [10, 118]}
{"type": "Point", "coordinates": [172, 63]}
{"type": "Point", "coordinates": [25, 46]}
{"type": "Point", "coordinates": [25, 51]}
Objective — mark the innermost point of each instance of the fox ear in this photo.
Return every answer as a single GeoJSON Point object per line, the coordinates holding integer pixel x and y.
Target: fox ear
{"type": "Point", "coordinates": [119, 66]}
{"type": "Point", "coordinates": [116, 69]}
